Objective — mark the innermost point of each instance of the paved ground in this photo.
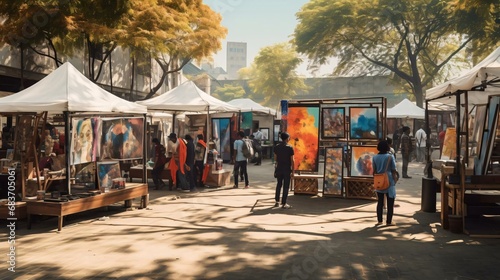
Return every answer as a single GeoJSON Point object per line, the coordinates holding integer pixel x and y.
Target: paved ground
{"type": "Point", "coordinates": [236, 234]}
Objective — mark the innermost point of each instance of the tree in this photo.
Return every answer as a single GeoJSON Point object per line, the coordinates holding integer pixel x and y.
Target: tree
{"type": "Point", "coordinates": [413, 39]}
{"type": "Point", "coordinates": [229, 92]}
{"type": "Point", "coordinates": [273, 75]}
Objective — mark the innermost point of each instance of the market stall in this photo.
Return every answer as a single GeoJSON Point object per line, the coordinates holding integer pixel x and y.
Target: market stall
{"type": "Point", "coordinates": [473, 149]}
{"type": "Point", "coordinates": [99, 130]}
{"type": "Point", "coordinates": [188, 98]}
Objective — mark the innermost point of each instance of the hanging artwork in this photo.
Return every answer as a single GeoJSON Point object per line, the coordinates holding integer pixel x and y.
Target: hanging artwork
{"type": "Point", "coordinates": [221, 135]}
{"type": "Point", "coordinates": [106, 172]}
{"type": "Point", "coordinates": [363, 122]}
{"type": "Point", "coordinates": [303, 127]}
{"type": "Point", "coordinates": [265, 134]}
{"type": "Point", "coordinates": [449, 144]}
{"type": "Point", "coordinates": [85, 140]}
{"type": "Point", "coordinates": [333, 120]}
{"type": "Point", "coordinates": [246, 122]}
{"type": "Point", "coordinates": [122, 138]}
{"type": "Point", "coordinates": [332, 184]}
{"type": "Point", "coordinates": [276, 132]}
{"type": "Point", "coordinates": [361, 160]}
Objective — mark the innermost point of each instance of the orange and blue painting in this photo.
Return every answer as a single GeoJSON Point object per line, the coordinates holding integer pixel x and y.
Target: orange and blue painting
{"type": "Point", "coordinates": [361, 160]}
{"type": "Point", "coordinates": [303, 127]}
{"type": "Point", "coordinates": [364, 123]}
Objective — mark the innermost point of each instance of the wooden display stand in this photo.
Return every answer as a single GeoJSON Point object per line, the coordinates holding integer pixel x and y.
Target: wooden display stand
{"type": "Point", "coordinates": [137, 171]}
{"type": "Point", "coordinates": [306, 183]}
{"type": "Point", "coordinates": [359, 187]}
{"type": "Point", "coordinates": [218, 178]}
{"type": "Point", "coordinates": [61, 209]}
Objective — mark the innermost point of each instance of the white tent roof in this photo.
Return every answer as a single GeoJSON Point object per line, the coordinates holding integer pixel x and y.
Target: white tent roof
{"type": "Point", "coordinates": [406, 109]}
{"type": "Point", "coordinates": [187, 98]}
{"type": "Point", "coordinates": [486, 70]}
{"type": "Point", "coordinates": [248, 105]}
{"type": "Point", "coordinates": [66, 89]}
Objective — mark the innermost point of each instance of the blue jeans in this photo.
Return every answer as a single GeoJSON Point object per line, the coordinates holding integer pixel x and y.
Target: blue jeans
{"type": "Point", "coordinates": [236, 171]}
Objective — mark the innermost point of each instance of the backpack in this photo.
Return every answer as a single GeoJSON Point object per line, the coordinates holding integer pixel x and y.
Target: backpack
{"type": "Point", "coordinates": [247, 148]}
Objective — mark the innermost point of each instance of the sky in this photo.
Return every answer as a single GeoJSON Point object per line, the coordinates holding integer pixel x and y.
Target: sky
{"type": "Point", "coordinates": [259, 23]}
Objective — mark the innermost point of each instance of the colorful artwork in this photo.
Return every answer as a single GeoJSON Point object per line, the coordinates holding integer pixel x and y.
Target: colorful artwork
{"type": "Point", "coordinates": [332, 184]}
{"type": "Point", "coordinates": [361, 160]}
{"type": "Point", "coordinates": [303, 127]}
{"type": "Point", "coordinates": [85, 140]}
{"type": "Point", "coordinates": [122, 138]}
{"type": "Point", "coordinates": [449, 144]}
{"type": "Point", "coordinates": [106, 172]}
{"type": "Point", "coordinates": [364, 123]}
{"type": "Point", "coordinates": [333, 123]}
{"type": "Point", "coordinates": [221, 135]}
{"type": "Point", "coordinates": [246, 122]}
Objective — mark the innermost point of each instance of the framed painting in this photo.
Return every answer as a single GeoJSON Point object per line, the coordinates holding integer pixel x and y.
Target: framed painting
{"type": "Point", "coordinates": [363, 123]}
{"type": "Point", "coordinates": [276, 132]}
{"type": "Point", "coordinates": [246, 122]}
{"type": "Point", "coordinates": [334, 171]}
{"type": "Point", "coordinates": [265, 134]}
{"type": "Point", "coordinates": [333, 120]}
{"type": "Point", "coordinates": [221, 135]}
{"type": "Point", "coordinates": [361, 160]}
{"type": "Point", "coordinates": [122, 138]}
{"type": "Point", "coordinates": [303, 127]}
{"type": "Point", "coordinates": [106, 172]}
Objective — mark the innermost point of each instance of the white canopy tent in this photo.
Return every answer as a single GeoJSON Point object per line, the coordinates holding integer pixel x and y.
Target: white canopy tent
{"type": "Point", "coordinates": [485, 73]}
{"type": "Point", "coordinates": [248, 105]}
{"type": "Point", "coordinates": [187, 98]}
{"type": "Point", "coordinates": [406, 109]}
{"type": "Point", "coordinates": [67, 90]}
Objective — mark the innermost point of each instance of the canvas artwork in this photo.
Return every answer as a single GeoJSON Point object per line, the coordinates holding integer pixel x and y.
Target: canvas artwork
{"type": "Point", "coordinates": [122, 138]}
{"type": "Point", "coordinates": [332, 184]}
{"type": "Point", "coordinates": [333, 122]}
{"type": "Point", "coordinates": [449, 144]}
{"type": "Point", "coordinates": [246, 122]}
{"type": "Point", "coordinates": [221, 135]}
{"type": "Point", "coordinates": [364, 122]}
{"type": "Point", "coordinates": [265, 134]}
{"type": "Point", "coordinates": [303, 127]}
{"type": "Point", "coordinates": [85, 140]}
{"type": "Point", "coordinates": [361, 160]}
{"type": "Point", "coordinates": [85, 174]}
{"type": "Point", "coordinates": [276, 133]}
{"type": "Point", "coordinates": [106, 172]}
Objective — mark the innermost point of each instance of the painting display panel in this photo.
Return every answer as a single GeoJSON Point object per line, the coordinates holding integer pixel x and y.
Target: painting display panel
{"type": "Point", "coordinates": [303, 127]}
{"type": "Point", "coordinates": [363, 122]}
{"type": "Point", "coordinates": [122, 138]}
{"type": "Point", "coordinates": [449, 144]}
{"type": "Point", "coordinates": [276, 133]}
{"type": "Point", "coordinates": [361, 160]}
{"type": "Point", "coordinates": [221, 135]}
{"type": "Point", "coordinates": [332, 184]}
{"type": "Point", "coordinates": [85, 140]}
{"type": "Point", "coordinates": [246, 122]}
{"type": "Point", "coordinates": [333, 122]}
{"type": "Point", "coordinates": [106, 172]}
{"type": "Point", "coordinates": [265, 134]}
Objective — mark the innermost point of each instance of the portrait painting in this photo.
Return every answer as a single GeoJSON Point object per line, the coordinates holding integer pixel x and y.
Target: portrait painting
{"type": "Point", "coordinates": [333, 123]}
{"type": "Point", "coordinates": [361, 160]}
{"type": "Point", "coordinates": [334, 167]}
{"type": "Point", "coordinates": [363, 122]}
{"type": "Point", "coordinates": [84, 140]}
{"type": "Point", "coordinates": [303, 127]}
{"type": "Point", "coordinates": [106, 172]}
{"type": "Point", "coordinates": [122, 138]}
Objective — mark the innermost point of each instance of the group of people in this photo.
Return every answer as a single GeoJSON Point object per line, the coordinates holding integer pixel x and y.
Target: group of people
{"type": "Point", "coordinates": [186, 161]}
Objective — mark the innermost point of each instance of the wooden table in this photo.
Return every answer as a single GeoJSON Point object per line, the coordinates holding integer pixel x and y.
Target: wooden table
{"type": "Point", "coordinates": [61, 209]}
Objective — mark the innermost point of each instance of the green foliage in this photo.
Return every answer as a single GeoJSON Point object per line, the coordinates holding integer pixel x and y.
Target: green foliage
{"type": "Point", "coordinates": [273, 74]}
{"type": "Point", "coordinates": [229, 92]}
{"type": "Point", "coordinates": [413, 39]}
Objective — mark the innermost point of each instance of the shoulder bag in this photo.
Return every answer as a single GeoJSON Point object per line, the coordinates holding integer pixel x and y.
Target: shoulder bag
{"type": "Point", "coordinates": [381, 180]}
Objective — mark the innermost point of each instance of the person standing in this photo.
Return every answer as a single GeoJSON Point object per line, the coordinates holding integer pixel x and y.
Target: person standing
{"type": "Point", "coordinates": [257, 142]}
{"type": "Point", "coordinates": [160, 159]}
{"type": "Point", "coordinates": [199, 160]}
{"type": "Point", "coordinates": [384, 162]}
{"type": "Point", "coordinates": [177, 166]}
{"type": "Point", "coordinates": [395, 138]}
{"type": "Point", "coordinates": [406, 149]}
{"type": "Point", "coordinates": [283, 156]}
{"type": "Point", "coordinates": [421, 138]}
{"type": "Point", "coordinates": [240, 161]}
{"type": "Point", "coordinates": [190, 154]}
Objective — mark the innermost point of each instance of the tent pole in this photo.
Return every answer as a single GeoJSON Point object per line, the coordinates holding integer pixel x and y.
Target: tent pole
{"type": "Point", "coordinates": [67, 144]}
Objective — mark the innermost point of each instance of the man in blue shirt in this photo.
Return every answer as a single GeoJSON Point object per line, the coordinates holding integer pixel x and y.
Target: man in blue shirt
{"type": "Point", "coordinates": [240, 161]}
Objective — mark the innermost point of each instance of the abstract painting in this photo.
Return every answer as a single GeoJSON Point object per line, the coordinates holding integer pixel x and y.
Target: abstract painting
{"type": "Point", "coordinates": [363, 122]}
{"type": "Point", "coordinates": [246, 122]}
{"type": "Point", "coordinates": [334, 166]}
{"type": "Point", "coordinates": [333, 120]}
{"type": "Point", "coordinates": [106, 172]}
{"type": "Point", "coordinates": [303, 127]}
{"type": "Point", "coordinates": [221, 135]}
{"type": "Point", "coordinates": [361, 160]}
{"type": "Point", "coordinates": [449, 144]}
{"type": "Point", "coordinates": [122, 138]}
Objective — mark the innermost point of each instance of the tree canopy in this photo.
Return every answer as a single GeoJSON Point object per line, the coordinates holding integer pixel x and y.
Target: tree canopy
{"type": "Point", "coordinates": [273, 74]}
{"type": "Point", "coordinates": [413, 39]}
{"type": "Point", "coordinates": [229, 92]}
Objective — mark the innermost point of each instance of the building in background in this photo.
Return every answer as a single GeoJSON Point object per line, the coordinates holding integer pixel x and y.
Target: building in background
{"type": "Point", "coordinates": [236, 58]}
